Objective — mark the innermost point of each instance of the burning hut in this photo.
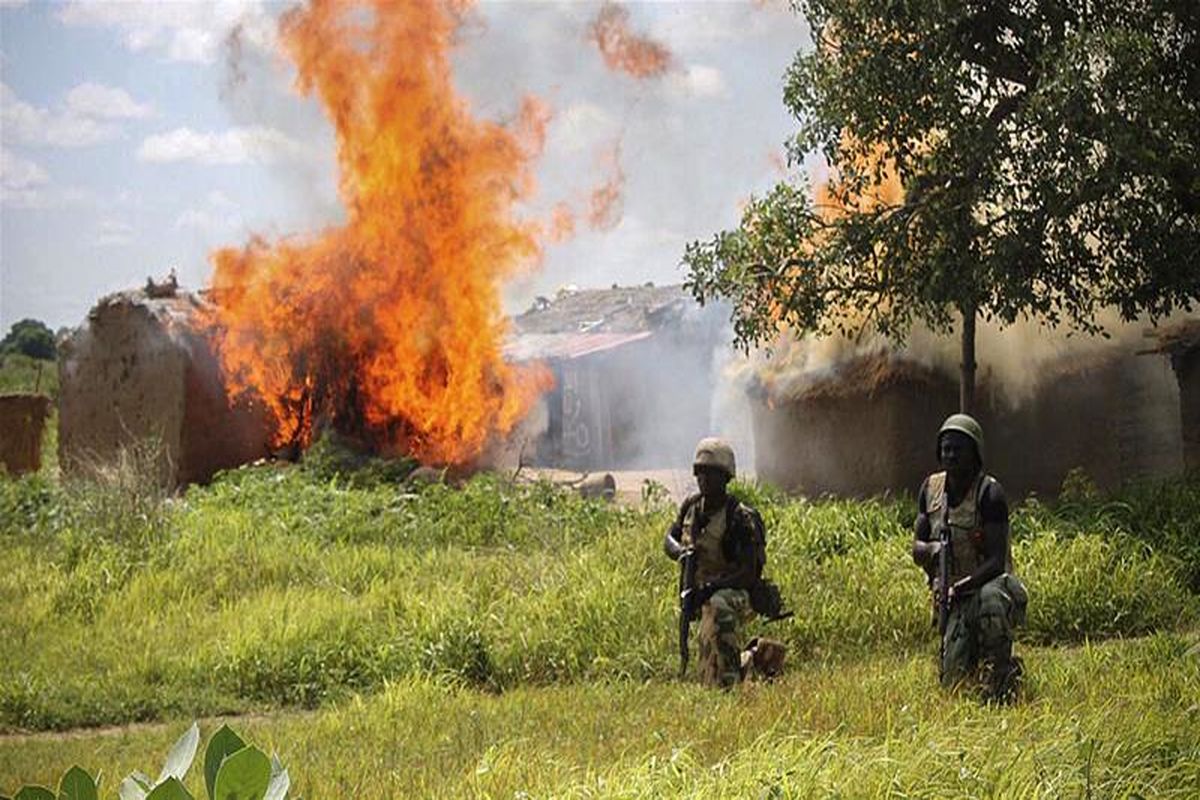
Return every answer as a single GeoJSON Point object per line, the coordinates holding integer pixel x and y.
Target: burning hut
{"type": "Point", "coordinates": [139, 370]}
{"type": "Point", "coordinates": [633, 375]}
{"type": "Point", "coordinates": [22, 420]}
{"type": "Point", "coordinates": [1181, 342]}
{"type": "Point", "coordinates": [867, 426]}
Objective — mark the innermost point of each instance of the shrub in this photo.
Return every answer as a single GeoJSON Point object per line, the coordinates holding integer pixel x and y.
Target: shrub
{"type": "Point", "coordinates": [232, 770]}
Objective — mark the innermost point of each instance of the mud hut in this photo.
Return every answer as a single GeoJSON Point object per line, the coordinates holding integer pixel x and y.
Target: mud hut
{"type": "Point", "coordinates": [137, 371]}
{"type": "Point", "coordinates": [1181, 343]}
{"type": "Point", "coordinates": [860, 427]}
{"type": "Point", "coordinates": [867, 426]}
{"type": "Point", "coordinates": [22, 422]}
{"type": "Point", "coordinates": [633, 375]}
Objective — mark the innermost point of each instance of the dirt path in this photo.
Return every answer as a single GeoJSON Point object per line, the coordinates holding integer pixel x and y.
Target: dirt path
{"type": "Point", "coordinates": [137, 727]}
{"type": "Point", "coordinates": [678, 483]}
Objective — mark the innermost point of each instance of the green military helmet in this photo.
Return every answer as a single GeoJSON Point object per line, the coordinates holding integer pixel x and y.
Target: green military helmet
{"type": "Point", "coordinates": [713, 451]}
{"type": "Point", "coordinates": [963, 423]}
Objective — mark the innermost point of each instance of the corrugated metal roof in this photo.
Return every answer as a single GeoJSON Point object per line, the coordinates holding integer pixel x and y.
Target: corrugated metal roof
{"type": "Point", "coordinates": [566, 346]}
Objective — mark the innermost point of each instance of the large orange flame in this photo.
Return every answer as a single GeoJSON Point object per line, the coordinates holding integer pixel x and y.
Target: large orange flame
{"type": "Point", "coordinates": [390, 327]}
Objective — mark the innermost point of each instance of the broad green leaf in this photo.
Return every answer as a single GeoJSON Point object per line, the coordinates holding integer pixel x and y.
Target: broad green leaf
{"type": "Point", "coordinates": [170, 789]}
{"type": "Point", "coordinates": [77, 784]}
{"type": "Point", "coordinates": [35, 793]}
{"type": "Point", "coordinates": [179, 760]}
{"type": "Point", "coordinates": [245, 775]}
{"type": "Point", "coordinates": [223, 743]}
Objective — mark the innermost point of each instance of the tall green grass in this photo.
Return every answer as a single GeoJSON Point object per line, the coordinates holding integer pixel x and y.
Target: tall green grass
{"type": "Point", "coordinates": [1115, 719]}
{"type": "Point", "coordinates": [293, 587]}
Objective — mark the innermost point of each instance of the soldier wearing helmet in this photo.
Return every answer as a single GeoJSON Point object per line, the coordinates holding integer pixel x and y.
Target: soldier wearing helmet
{"type": "Point", "coordinates": [728, 541]}
{"type": "Point", "coordinates": [962, 512]}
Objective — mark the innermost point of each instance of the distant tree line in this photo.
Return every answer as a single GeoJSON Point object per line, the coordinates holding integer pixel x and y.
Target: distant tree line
{"type": "Point", "coordinates": [31, 338]}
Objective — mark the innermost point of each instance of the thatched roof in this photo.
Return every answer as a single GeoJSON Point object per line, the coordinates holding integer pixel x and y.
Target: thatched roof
{"type": "Point", "coordinates": [621, 309]}
{"type": "Point", "coordinates": [175, 311]}
{"type": "Point", "coordinates": [858, 377]}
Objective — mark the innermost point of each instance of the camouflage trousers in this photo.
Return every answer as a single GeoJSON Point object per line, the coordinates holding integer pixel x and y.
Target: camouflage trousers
{"type": "Point", "coordinates": [979, 633]}
{"type": "Point", "coordinates": [721, 620]}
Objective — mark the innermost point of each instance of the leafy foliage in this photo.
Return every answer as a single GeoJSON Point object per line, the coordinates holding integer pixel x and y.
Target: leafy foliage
{"type": "Point", "coordinates": [233, 770]}
{"type": "Point", "coordinates": [31, 338]}
{"type": "Point", "coordinates": [1047, 154]}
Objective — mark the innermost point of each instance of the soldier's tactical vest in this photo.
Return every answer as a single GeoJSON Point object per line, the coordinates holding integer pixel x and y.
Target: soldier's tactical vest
{"type": "Point", "coordinates": [710, 555]}
{"type": "Point", "coordinates": [963, 520]}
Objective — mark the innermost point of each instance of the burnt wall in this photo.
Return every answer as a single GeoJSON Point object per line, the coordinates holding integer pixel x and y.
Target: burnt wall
{"type": "Point", "coordinates": [22, 421]}
{"type": "Point", "coordinates": [216, 434]}
{"type": "Point", "coordinates": [1187, 372]}
{"type": "Point", "coordinates": [853, 446]}
{"type": "Point", "coordinates": [1117, 420]}
{"type": "Point", "coordinates": [121, 380]}
{"type": "Point", "coordinates": [138, 371]}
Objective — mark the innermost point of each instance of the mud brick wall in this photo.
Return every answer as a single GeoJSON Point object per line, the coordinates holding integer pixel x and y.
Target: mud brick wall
{"type": "Point", "coordinates": [22, 421]}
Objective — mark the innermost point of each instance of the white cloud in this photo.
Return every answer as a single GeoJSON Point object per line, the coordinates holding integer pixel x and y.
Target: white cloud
{"type": "Point", "coordinates": [104, 102]}
{"type": "Point", "coordinates": [86, 118]}
{"type": "Point", "coordinates": [19, 173]}
{"type": "Point", "coordinates": [12, 3]}
{"type": "Point", "coordinates": [113, 233]}
{"type": "Point", "coordinates": [216, 213]}
{"type": "Point", "coordinates": [254, 144]}
{"type": "Point", "coordinates": [184, 30]}
{"type": "Point", "coordinates": [21, 180]}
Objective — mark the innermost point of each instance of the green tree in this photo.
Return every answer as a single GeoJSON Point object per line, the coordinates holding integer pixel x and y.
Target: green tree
{"type": "Point", "coordinates": [1048, 155]}
{"type": "Point", "coordinates": [31, 338]}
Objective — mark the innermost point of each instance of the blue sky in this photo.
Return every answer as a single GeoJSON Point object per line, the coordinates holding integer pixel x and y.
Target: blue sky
{"type": "Point", "coordinates": [128, 149]}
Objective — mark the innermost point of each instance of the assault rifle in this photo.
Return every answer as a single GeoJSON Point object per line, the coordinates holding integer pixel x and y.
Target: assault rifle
{"type": "Point", "coordinates": [691, 599]}
{"type": "Point", "coordinates": [945, 562]}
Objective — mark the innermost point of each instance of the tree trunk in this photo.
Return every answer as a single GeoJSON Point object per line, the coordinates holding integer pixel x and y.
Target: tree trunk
{"type": "Point", "coordinates": [966, 382]}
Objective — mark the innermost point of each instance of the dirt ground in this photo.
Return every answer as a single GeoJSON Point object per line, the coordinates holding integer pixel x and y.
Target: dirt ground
{"type": "Point", "coordinates": [678, 483]}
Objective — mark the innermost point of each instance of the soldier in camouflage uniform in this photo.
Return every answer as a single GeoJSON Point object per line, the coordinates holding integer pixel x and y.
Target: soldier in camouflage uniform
{"type": "Point", "coordinates": [729, 543]}
{"type": "Point", "coordinates": [967, 507]}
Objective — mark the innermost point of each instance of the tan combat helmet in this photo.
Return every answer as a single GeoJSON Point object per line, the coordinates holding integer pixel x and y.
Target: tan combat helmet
{"type": "Point", "coordinates": [715, 452]}
{"type": "Point", "coordinates": [963, 423]}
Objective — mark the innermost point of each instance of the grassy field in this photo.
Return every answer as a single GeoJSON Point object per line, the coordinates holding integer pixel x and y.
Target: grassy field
{"type": "Point", "coordinates": [498, 639]}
